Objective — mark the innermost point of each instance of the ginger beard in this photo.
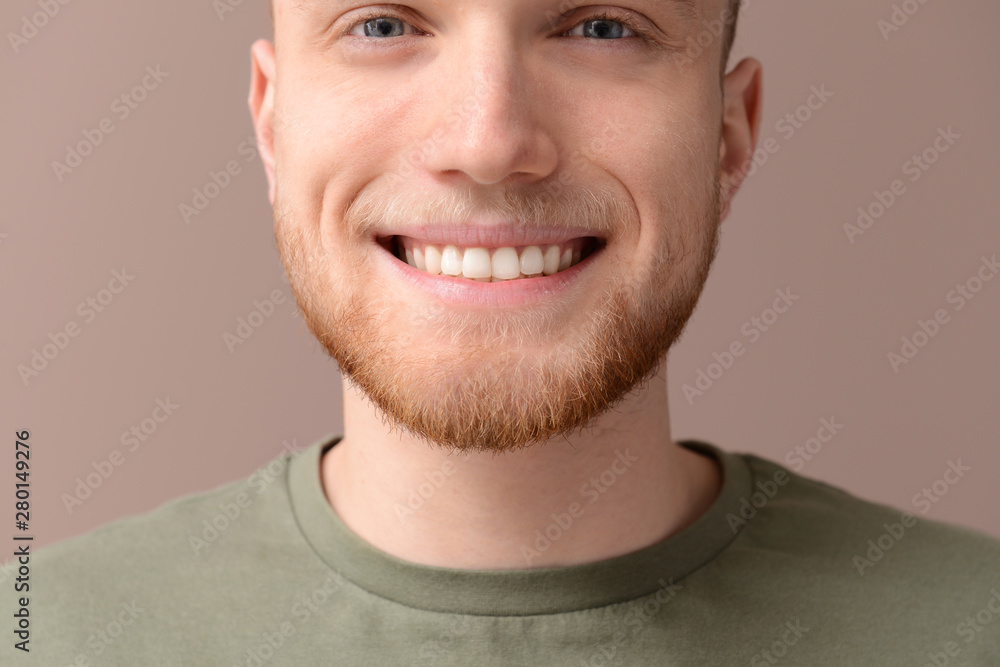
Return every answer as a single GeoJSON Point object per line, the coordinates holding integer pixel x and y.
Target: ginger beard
{"type": "Point", "coordinates": [500, 381]}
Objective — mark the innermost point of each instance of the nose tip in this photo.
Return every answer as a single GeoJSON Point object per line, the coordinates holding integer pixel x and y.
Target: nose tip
{"type": "Point", "coordinates": [496, 152]}
{"type": "Point", "coordinates": [495, 133]}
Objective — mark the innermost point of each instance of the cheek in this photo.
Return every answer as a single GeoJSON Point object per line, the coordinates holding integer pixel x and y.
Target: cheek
{"type": "Point", "coordinates": [329, 135]}
{"type": "Point", "coordinates": [666, 167]}
{"type": "Point", "coordinates": [343, 138]}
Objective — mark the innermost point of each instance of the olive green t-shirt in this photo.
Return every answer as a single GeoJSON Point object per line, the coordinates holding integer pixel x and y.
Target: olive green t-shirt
{"type": "Point", "coordinates": [781, 569]}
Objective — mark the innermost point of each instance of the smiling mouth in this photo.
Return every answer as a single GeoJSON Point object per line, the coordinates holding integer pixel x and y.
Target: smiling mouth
{"type": "Point", "coordinates": [486, 265]}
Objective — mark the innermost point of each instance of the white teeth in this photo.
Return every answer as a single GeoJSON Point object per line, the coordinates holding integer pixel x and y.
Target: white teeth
{"type": "Point", "coordinates": [566, 259]}
{"type": "Point", "coordinates": [532, 262]}
{"type": "Point", "coordinates": [506, 265]}
{"type": "Point", "coordinates": [451, 261]}
{"type": "Point", "coordinates": [491, 265]}
{"type": "Point", "coordinates": [476, 263]}
{"type": "Point", "coordinates": [432, 256]}
{"type": "Point", "coordinates": [551, 260]}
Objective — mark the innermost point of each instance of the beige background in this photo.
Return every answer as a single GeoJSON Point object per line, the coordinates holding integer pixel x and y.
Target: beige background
{"type": "Point", "coordinates": [162, 336]}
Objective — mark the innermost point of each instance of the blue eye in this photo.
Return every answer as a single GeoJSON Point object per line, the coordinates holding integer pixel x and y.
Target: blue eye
{"type": "Point", "coordinates": [381, 26]}
{"type": "Point", "coordinates": [601, 27]}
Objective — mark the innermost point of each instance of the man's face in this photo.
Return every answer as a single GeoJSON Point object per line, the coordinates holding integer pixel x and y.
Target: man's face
{"type": "Point", "coordinates": [494, 127]}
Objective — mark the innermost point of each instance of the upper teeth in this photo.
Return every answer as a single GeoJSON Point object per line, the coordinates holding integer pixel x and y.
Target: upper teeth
{"type": "Point", "coordinates": [491, 264]}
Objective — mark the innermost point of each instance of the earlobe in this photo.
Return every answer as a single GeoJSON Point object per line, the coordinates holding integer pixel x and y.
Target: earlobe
{"type": "Point", "coordinates": [741, 114]}
{"type": "Point", "coordinates": [261, 102]}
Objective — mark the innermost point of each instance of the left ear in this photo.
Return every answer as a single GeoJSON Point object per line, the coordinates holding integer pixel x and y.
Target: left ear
{"type": "Point", "coordinates": [741, 112]}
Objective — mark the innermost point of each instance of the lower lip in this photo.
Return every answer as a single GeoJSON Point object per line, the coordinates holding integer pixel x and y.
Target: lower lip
{"type": "Point", "coordinates": [509, 293]}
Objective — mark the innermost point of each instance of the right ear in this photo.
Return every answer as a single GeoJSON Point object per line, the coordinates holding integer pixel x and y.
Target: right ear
{"type": "Point", "coordinates": [261, 102]}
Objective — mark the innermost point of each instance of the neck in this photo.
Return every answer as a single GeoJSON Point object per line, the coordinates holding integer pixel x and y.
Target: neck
{"type": "Point", "coordinates": [614, 488]}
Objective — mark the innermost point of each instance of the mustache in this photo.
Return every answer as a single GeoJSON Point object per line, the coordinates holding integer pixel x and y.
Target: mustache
{"type": "Point", "coordinates": [555, 205]}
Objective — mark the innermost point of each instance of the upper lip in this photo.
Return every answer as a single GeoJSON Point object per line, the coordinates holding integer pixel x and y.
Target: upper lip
{"type": "Point", "coordinates": [500, 235]}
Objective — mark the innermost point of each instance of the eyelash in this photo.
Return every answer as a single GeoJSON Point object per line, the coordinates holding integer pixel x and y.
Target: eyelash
{"type": "Point", "coordinates": [640, 31]}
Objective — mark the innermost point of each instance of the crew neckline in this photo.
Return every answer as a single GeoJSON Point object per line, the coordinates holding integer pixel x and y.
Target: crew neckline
{"type": "Point", "coordinates": [548, 590]}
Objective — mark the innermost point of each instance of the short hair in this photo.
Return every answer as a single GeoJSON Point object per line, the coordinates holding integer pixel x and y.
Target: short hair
{"type": "Point", "coordinates": [730, 18]}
